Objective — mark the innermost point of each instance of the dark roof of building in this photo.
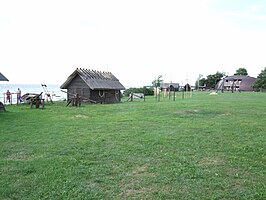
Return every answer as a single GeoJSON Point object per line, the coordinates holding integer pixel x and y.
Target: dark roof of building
{"type": "Point", "coordinates": [95, 79]}
{"type": "Point", "coordinates": [167, 85]}
{"type": "Point", "coordinates": [2, 77]}
{"type": "Point", "coordinates": [239, 77]}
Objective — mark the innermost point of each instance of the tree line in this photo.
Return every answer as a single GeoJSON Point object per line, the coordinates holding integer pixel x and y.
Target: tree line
{"type": "Point", "coordinates": [209, 82]}
{"type": "Point", "coordinates": [260, 83]}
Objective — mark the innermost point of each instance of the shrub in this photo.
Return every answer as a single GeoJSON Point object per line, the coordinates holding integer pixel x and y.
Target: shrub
{"type": "Point", "coordinates": [146, 91]}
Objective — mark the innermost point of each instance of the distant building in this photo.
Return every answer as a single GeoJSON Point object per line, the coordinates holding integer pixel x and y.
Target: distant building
{"type": "Point", "coordinates": [187, 87]}
{"type": "Point", "coordinates": [202, 88]}
{"type": "Point", "coordinates": [236, 83]}
{"type": "Point", "coordinates": [169, 86]}
{"type": "Point", "coordinates": [102, 87]}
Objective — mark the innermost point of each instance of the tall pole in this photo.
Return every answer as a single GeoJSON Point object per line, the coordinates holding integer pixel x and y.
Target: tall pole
{"type": "Point", "coordinates": [200, 76]}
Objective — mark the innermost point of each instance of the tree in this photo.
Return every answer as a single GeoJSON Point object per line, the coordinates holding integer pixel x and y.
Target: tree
{"type": "Point", "coordinates": [241, 71]}
{"type": "Point", "coordinates": [156, 82]}
{"type": "Point", "coordinates": [213, 79]}
{"type": "Point", "coordinates": [260, 82]}
{"type": "Point", "coordinates": [202, 82]}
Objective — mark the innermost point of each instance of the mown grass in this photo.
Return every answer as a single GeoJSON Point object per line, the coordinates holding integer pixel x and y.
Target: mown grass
{"type": "Point", "coordinates": [204, 147]}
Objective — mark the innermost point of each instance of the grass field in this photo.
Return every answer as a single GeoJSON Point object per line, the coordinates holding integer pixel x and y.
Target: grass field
{"type": "Point", "coordinates": [204, 147]}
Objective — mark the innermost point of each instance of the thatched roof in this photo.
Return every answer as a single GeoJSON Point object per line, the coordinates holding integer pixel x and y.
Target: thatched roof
{"type": "Point", "coordinates": [95, 79]}
{"type": "Point", "coordinates": [2, 77]}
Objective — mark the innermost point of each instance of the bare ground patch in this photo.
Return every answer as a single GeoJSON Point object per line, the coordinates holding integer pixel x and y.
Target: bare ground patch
{"type": "Point", "coordinates": [21, 156]}
{"type": "Point", "coordinates": [210, 161]}
{"type": "Point", "coordinates": [133, 183]}
{"type": "Point", "coordinates": [137, 193]}
{"type": "Point", "coordinates": [186, 112]}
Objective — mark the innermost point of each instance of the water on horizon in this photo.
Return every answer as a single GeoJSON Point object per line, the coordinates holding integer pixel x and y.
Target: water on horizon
{"type": "Point", "coordinates": [54, 90]}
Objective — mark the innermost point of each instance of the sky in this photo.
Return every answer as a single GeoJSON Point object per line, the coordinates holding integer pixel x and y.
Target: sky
{"type": "Point", "coordinates": [137, 40]}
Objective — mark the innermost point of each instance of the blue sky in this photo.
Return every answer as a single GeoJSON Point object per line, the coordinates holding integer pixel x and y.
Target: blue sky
{"type": "Point", "coordinates": [44, 41]}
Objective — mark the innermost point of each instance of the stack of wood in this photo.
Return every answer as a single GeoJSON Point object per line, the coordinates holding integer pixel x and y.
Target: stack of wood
{"type": "Point", "coordinates": [76, 99]}
{"type": "Point", "coordinates": [37, 101]}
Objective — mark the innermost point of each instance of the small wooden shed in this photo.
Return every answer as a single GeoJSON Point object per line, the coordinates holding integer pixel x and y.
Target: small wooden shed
{"type": "Point", "coordinates": [102, 87]}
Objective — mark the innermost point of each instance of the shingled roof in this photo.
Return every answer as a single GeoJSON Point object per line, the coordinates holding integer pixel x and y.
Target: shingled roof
{"type": "Point", "coordinates": [95, 79]}
{"type": "Point", "coordinates": [243, 82]}
{"type": "Point", "coordinates": [2, 77]}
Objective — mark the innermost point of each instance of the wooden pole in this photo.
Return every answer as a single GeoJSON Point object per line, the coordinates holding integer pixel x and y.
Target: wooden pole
{"type": "Point", "coordinates": [144, 92]}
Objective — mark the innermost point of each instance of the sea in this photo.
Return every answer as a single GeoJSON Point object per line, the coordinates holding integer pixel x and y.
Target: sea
{"type": "Point", "coordinates": [54, 90]}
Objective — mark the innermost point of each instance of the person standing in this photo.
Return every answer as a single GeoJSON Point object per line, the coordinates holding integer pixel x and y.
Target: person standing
{"type": "Point", "coordinates": [8, 96]}
{"type": "Point", "coordinates": [19, 96]}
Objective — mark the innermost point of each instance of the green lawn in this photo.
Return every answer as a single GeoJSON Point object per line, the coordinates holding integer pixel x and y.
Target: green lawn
{"type": "Point", "coordinates": [204, 147]}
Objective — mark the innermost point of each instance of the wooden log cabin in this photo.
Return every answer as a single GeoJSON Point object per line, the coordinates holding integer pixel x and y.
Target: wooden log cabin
{"type": "Point", "coordinates": [101, 87]}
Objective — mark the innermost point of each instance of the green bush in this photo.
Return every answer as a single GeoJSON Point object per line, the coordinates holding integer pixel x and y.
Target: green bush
{"type": "Point", "coordinates": [144, 90]}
